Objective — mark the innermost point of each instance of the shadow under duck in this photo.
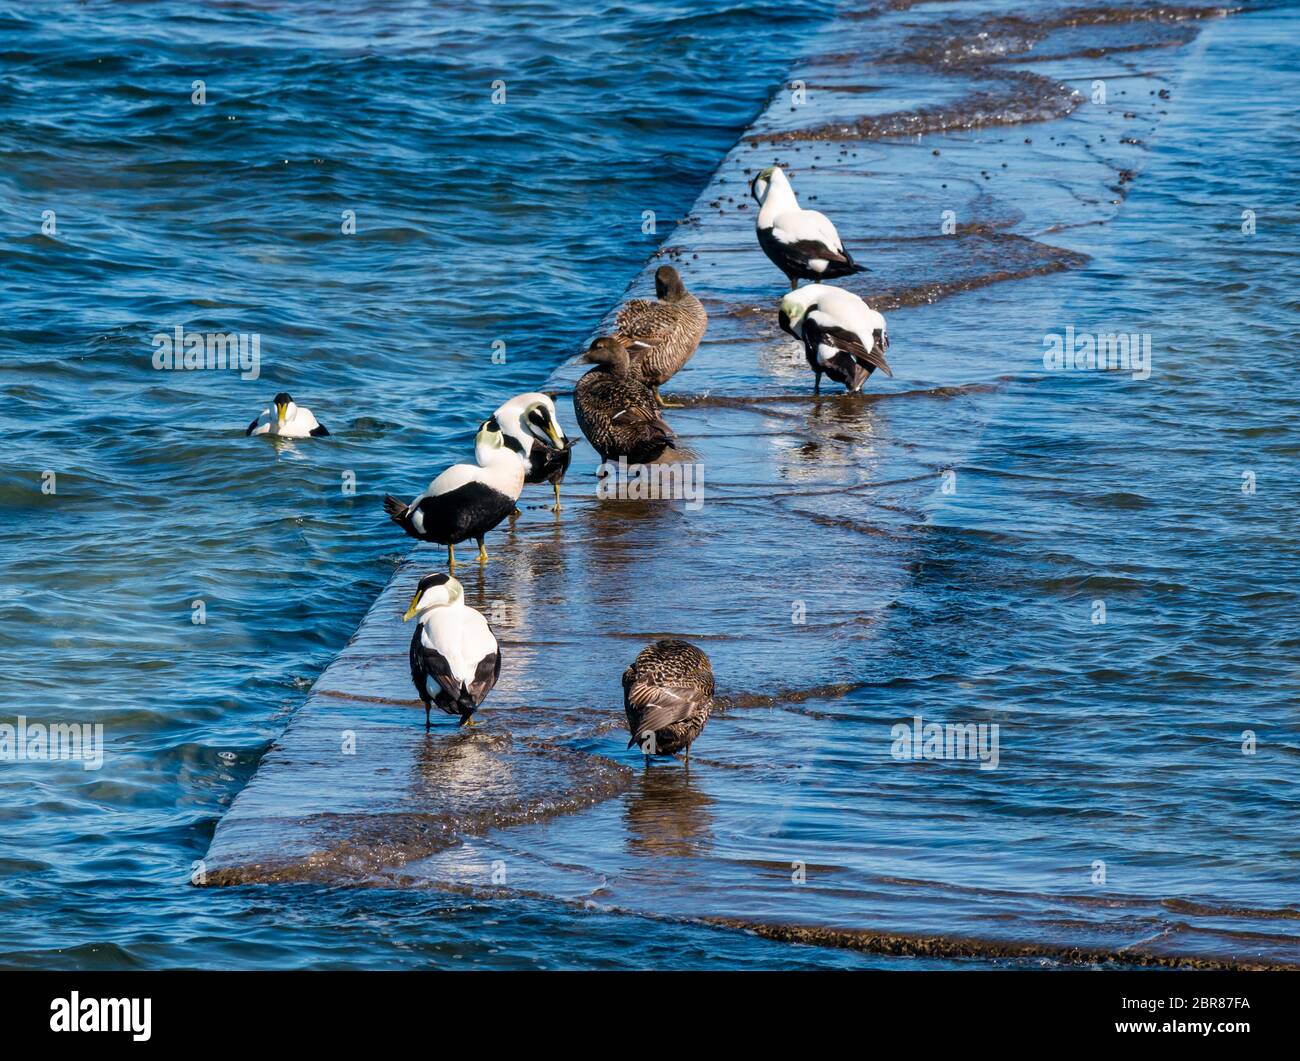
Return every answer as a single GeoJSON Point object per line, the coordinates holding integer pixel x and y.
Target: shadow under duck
{"type": "Point", "coordinates": [661, 336]}
{"type": "Point", "coordinates": [667, 697]}
{"type": "Point", "coordinates": [615, 410]}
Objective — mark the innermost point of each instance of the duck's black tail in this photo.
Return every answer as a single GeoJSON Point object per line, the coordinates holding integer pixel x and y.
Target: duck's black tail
{"type": "Point", "coordinates": [465, 705]}
{"type": "Point", "coordinates": [396, 510]}
{"type": "Point", "coordinates": [857, 373]}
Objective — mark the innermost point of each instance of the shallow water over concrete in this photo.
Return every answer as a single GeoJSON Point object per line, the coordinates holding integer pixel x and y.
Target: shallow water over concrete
{"type": "Point", "coordinates": [855, 562]}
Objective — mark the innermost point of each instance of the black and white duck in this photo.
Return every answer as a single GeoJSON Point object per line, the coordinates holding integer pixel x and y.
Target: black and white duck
{"type": "Point", "coordinates": [532, 427]}
{"type": "Point", "coordinates": [285, 418]}
{"type": "Point", "coordinates": [467, 500]}
{"type": "Point", "coordinates": [455, 659]}
{"type": "Point", "coordinates": [803, 244]}
{"type": "Point", "coordinates": [842, 336]}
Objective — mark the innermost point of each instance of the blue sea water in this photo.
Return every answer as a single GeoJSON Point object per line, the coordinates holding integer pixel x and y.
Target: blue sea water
{"type": "Point", "coordinates": [476, 223]}
{"type": "Point", "coordinates": [480, 223]}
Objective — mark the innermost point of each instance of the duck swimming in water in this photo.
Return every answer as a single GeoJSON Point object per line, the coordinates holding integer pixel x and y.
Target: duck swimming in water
{"type": "Point", "coordinates": [455, 659]}
{"type": "Point", "coordinates": [842, 336]}
{"type": "Point", "coordinates": [467, 500]}
{"type": "Point", "coordinates": [667, 697]}
{"type": "Point", "coordinates": [615, 410]}
{"type": "Point", "coordinates": [286, 419]}
{"type": "Point", "coordinates": [661, 336]}
{"type": "Point", "coordinates": [531, 426]}
{"type": "Point", "coordinates": [803, 244]}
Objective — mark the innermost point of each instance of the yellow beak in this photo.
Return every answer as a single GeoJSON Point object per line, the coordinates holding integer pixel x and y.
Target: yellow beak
{"type": "Point", "coordinates": [410, 612]}
{"type": "Point", "coordinates": [280, 410]}
{"type": "Point", "coordinates": [553, 431]}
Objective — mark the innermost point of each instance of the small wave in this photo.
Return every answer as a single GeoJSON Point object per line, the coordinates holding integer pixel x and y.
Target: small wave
{"type": "Point", "coordinates": [476, 782]}
{"type": "Point", "coordinates": [969, 48]}
{"type": "Point", "coordinates": [1020, 96]}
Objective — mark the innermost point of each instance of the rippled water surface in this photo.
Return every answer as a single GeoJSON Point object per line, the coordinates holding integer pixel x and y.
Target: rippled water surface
{"type": "Point", "coordinates": [969, 596]}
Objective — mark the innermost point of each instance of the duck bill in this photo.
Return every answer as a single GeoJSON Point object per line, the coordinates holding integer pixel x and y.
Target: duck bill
{"type": "Point", "coordinates": [555, 435]}
{"type": "Point", "coordinates": [410, 612]}
{"type": "Point", "coordinates": [280, 411]}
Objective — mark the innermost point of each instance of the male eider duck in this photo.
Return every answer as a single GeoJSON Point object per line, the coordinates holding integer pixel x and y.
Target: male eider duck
{"type": "Point", "coordinates": [615, 410]}
{"type": "Point", "coordinates": [667, 696]}
{"type": "Point", "coordinates": [842, 336]}
{"type": "Point", "coordinates": [803, 244]}
{"type": "Point", "coordinates": [288, 420]}
{"type": "Point", "coordinates": [467, 500]}
{"type": "Point", "coordinates": [531, 426]}
{"type": "Point", "coordinates": [455, 660]}
{"type": "Point", "coordinates": [661, 336]}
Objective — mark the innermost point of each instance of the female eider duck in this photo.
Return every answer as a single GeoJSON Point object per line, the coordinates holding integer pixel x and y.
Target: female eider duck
{"type": "Point", "coordinates": [455, 660]}
{"type": "Point", "coordinates": [842, 336]}
{"type": "Point", "coordinates": [661, 336]}
{"type": "Point", "coordinates": [532, 427]}
{"type": "Point", "coordinates": [667, 696]}
{"type": "Point", "coordinates": [466, 500]}
{"type": "Point", "coordinates": [615, 410]}
{"type": "Point", "coordinates": [288, 420]}
{"type": "Point", "coordinates": [803, 244]}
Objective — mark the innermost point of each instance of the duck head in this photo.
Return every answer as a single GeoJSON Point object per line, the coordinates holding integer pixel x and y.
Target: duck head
{"type": "Point", "coordinates": [791, 314]}
{"type": "Point", "coordinates": [434, 591]}
{"type": "Point", "coordinates": [668, 284]}
{"type": "Point", "coordinates": [284, 407]}
{"type": "Point", "coordinates": [610, 352]}
{"type": "Point", "coordinates": [491, 443]}
{"type": "Point", "coordinates": [539, 420]}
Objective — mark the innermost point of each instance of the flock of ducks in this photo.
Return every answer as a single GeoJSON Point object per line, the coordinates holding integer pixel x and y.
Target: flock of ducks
{"type": "Point", "coordinates": [668, 689]}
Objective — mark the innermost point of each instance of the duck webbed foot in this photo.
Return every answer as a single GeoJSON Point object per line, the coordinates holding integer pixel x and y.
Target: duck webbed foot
{"type": "Point", "coordinates": [659, 398]}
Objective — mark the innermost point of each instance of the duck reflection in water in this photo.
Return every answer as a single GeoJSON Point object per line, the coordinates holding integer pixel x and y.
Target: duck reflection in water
{"type": "Point", "coordinates": [463, 769]}
{"type": "Point", "coordinates": [668, 815]}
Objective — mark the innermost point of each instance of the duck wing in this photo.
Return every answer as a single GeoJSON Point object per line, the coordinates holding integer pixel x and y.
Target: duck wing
{"type": "Point", "coordinates": [426, 663]}
{"type": "Point", "coordinates": [637, 413]}
{"type": "Point", "coordinates": [485, 676]}
{"type": "Point", "coordinates": [809, 227]}
{"type": "Point", "coordinates": [651, 707]}
{"type": "Point", "coordinates": [643, 324]}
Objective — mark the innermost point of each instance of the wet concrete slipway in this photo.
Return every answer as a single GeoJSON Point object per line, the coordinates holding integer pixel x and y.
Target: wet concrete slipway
{"type": "Point", "coordinates": [800, 571]}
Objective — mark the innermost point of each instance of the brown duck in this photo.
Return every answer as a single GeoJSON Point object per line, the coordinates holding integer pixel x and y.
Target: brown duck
{"type": "Point", "coordinates": [667, 696]}
{"type": "Point", "coordinates": [661, 336]}
{"type": "Point", "coordinates": [615, 410]}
